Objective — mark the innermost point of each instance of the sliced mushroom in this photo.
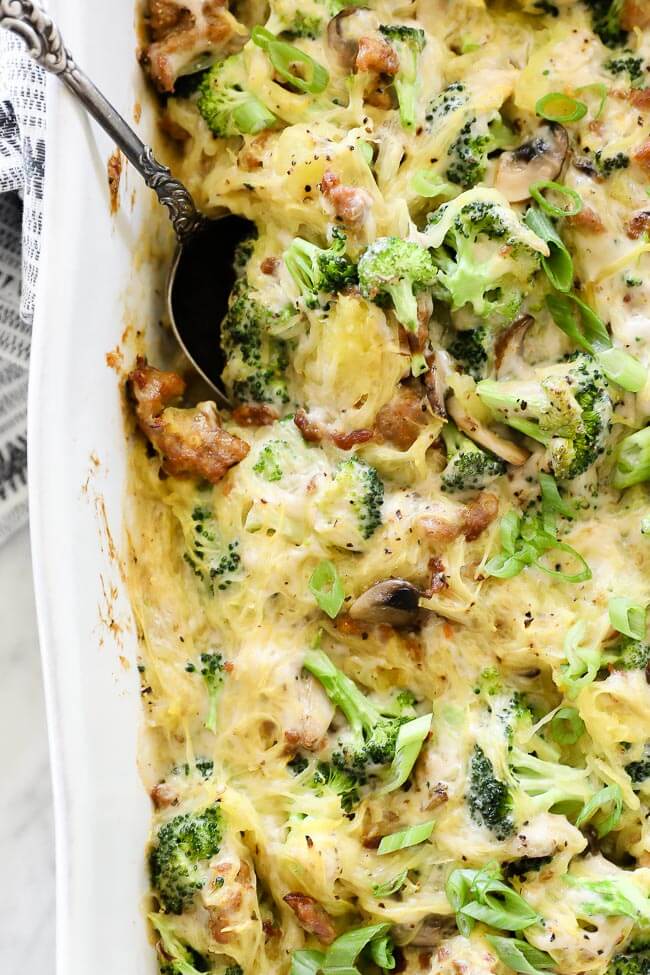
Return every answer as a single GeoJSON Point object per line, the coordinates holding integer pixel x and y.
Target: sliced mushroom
{"type": "Point", "coordinates": [436, 382]}
{"type": "Point", "coordinates": [344, 31]}
{"type": "Point", "coordinates": [508, 347]}
{"type": "Point", "coordinates": [542, 157]}
{"type": "Point", "coordinates": [393, 601]}
{"type": "Point", "coordinates": [505, 449]}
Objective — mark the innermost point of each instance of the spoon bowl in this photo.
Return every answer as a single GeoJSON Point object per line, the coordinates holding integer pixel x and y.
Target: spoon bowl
{"type": "Point", "coordinates": [200, 280]}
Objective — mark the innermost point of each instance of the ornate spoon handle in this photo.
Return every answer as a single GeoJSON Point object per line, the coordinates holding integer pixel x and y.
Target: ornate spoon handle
{"type": "Point", "coordinates": [47, 48]}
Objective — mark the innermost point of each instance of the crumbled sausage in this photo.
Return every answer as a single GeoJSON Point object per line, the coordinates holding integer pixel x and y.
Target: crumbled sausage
{"type": "Point", "coordinates": [638, 224]}
{"type": "Point", "coordinates": [255, 415]}
{"type": "Point", "coordinates": [191, 441]}
{"type": "Point", "coordinates": [479, 513]}
{"type": "Point", "coordinates": [375, 54]}
{"type": "Point", "coordinates": [350, 205]}
{"type": "Point", "coordinates": [642, 155]}
{"type": "Point", "coordinates": [401, 420]}
{"type": "Point", "coordinates": [640, 98]}
{"type": "Point", "coordinates": [346, 441]}
{"type": "Point", "coordinates": [312, 916]}
{"type": "Point", "coordinates": [635, 13]}
{"type": "Point", "coordinates": [163, 795]}
{"type": "Point", "coordinates": [588, 221]}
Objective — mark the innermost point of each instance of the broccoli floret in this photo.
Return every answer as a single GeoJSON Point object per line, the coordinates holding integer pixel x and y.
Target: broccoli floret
{"type": "Point", "coordinates": [486, 256]}
{"type": "Point", "coordinates": [179, 858]}
{"type": "Point", "coordinates": [176, 958]}
{"type": "Point", "coordinates": [488, 799]}
{"type": "Point", "coordinates": [523, 866]}
{"type": "Point", "coordinates": [242, 255]}
{"type": "Point", "coordinates": [272, 459]}
{"type": "Point", "coordinates": [453, 97]}
{"type": "Point", "coordinates": [373, 735]}
{"type": "Point", "coordinates": [399, 269]}
{"type": "Point", "coordinates": [339, 780]}
{"type": "Point", "coordinates": [204, 766]}
{"type": "Point", "coordinates": [639, 771]}
{"type": "Point", "coordinates": [213, 672]}
{"type": "Point", "coordinates": [612, 897]}
{"type": "Point", "coordinates": [319, 271]}
{"type": "Point", "coordinates": [627, 64]}
{"type": "Point", "coordinates": [297, 764]}
{"type": "Point", "coordinates": [468, 153]}
{"type": "Point", "coordinates": [628, 654]}
{"type": "Point", "coordinates": [211, 559]}
{"type": "Point", "coordinates": [549, 784]}
{"type": "Point", "coordinates": [226, 106]}
{"type": "Point", "coordinates": [606, 19]}
{"type": "Point", "coordinates": [408, 43]}
{"type": "Point", "coordinates": [471, 349]}
{"type": "Point", "coordinates": [607, 165]}
{"type": "Point", "coordinates": [234, 970]}
{"type": "Point", "coordinates": [304, 25]}
{"type": "Point", "coordinates": [632, 962]}
{"type": "Point", "coordinates": [351, 503]}
{"type": "Point", "coordinates": [257, 360]}
{"type": "Point", "coordinates": [632, 460]}
{"type": "Point", "coordinates": [567, 408]}
{"type": "Point", "coordinates": [469, 468]}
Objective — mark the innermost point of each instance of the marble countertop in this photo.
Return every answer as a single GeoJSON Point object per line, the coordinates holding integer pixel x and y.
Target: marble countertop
{"type": "Point", "coordinates": [26, 834]}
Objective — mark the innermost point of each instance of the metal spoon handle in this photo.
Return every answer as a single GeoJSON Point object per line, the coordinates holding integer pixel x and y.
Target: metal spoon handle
{"type": "Point", "coordinates": [47, 48]}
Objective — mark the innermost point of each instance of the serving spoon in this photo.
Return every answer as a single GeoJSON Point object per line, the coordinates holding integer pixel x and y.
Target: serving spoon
{"type": "Point", "coordinates": [201, 275]}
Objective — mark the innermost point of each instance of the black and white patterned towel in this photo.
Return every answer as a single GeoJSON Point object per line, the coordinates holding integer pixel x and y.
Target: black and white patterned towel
{"type": "Point", "coordinates": [22, 169]}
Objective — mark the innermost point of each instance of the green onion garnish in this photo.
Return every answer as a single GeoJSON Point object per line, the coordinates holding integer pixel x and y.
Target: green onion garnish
{"type": "Point", "coordinates": [342, 953]}
{"type": "Point", "coordinates": [567, 727]}
{"type": "Point", "coordinates": [306, 961]}
{"type": "Point", "coordinates": [552, 501]}
{"type": "Point", "coordinates": [559, 264]}
{"type": "Point", "coordinates": [610, 794]}
{"type": "Point", "coordinates": [410, 836]}
{"type": "Point", "coordinates": [381, 952]}
{"type": "Point", "coordinates": [284, 57]}
{"type": "Point", "coordinates": [558, 107]}
{"type": "Point", "coordinates": [429, 184]}
{"type": "Point", "coordinates": [519, 955]}
{"type": "Point", "coordinates": [575, 200]}
{"type": "Point", "coordinates": [481, 895]}
{"type": "Point", "coordinates": [391, 886]}
{"type": "Point", "coordinates": [327, 589]}
{"type": "Point", "coordinates": [410, 739]}
{"type": "Point", "coordinates": [590, 334]}
{"type": "Point", "coordinates": [627, 617]}
{"type": "Point", "coordinates": [597, 88]}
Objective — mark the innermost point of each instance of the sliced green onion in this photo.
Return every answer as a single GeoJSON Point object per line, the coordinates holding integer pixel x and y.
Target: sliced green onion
{"type": "Point", "coordinates": [559, 264]}
{"type": "Point", "coordinates": [343, 952]}
{"type": "Point", "coordinates": [381, 952]}
{"type": "Point", "coordinates": [567, 727]}
{"type": "Point", "coordinates": [410, 739]}
{"type": "Point", "coordinates": [429, 184]}
{"type": "Point", "coordinates": [306, 961]}
{"type": "Point", "coordinates": [611, 793]}
{"type": "Point", "coordinates": [597, 88]}
{"type": "Point", "coordinates": [553, 211]}
{"type": "Point", "coordinates": [327, 589]}
{"type": "Point", "coordinates": [582, 575]}
{"type": "Point", "coordinates": [391, 886]}
{"type": "Point", "coordinates": [611, 897]}
{"type": "Point", "coordinates": [552, 502]}
{"type": "Point", "coordinates": [627, 617]}
{"type": "Point", "coordinates": [284, 57]}
{"type": "Point", "coordinates": [410, 836]}
{"type": "Point", "coordinates": [589, 333]}
{"type": "Point", "coordinates": [501, 907]}
{"type": "Point", "coordinates": [558, 107]}
{"type": "Point", "coordinates": [519, 955]}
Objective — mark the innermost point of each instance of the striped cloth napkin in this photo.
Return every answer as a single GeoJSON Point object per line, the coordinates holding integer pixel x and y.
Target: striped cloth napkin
{"type": "Point", "coordinates": [22, 171]}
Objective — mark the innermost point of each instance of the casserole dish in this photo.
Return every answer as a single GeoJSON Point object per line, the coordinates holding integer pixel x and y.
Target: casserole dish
{"type": "Point", "coordinates": [77, 470]}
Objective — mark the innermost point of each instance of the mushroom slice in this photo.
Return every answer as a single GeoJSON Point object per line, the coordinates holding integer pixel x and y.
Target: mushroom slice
{"type": "Point", "coordinates": [542, 157]}
{"type": "Point", "coordinates": [393, 601]}
{"type": "Point", "coordinates": [505, 449]}
{"type": "Point", "coordinates": [434, 929]}
{"type": "Point", "coordinates": [344, 31]}
{"type": "Point", "coordinates": [509, 346]}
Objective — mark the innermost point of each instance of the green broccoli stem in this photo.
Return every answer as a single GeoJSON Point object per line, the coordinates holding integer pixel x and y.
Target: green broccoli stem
{"type": "Point", "coordinates": [211, 717]}
{"type": "Point", "coordinates": [300, 259]}
{"type": "Point", "coordinates": [360, 713]}
{"type": "Point", "coordinates": [406, 305]}
{"type": "Point", "coordinates": [454, 440]}
{"type": "Point", "coordinates": [633, 460]}
{"type": "Point", "coordinates": [405, 89]}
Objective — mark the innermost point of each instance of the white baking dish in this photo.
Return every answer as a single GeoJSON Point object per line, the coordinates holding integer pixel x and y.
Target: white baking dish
{"type": "Point", "coordinates": [77, 471]}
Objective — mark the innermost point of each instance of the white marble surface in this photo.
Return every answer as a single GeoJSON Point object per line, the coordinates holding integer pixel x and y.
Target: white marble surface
{"type": "Point", "coordinates": [26, 837]}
